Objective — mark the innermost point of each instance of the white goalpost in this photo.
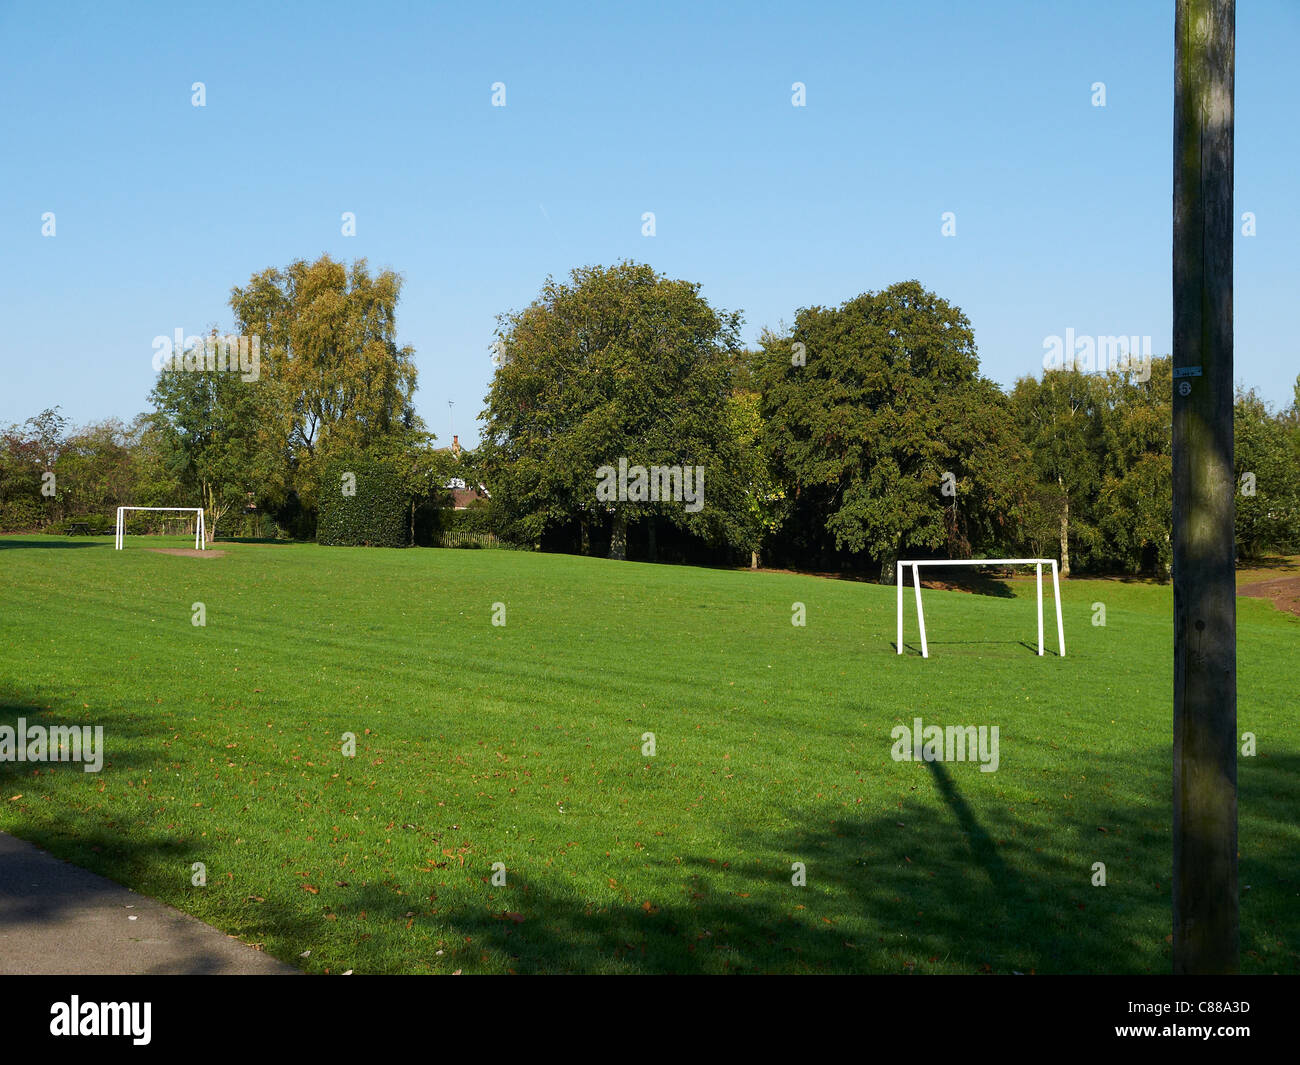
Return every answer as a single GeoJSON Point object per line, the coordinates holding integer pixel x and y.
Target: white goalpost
{"type": "Point", "coordinates": [198, 527]}
{"type": "Point", "coordinates": [1038, 563]}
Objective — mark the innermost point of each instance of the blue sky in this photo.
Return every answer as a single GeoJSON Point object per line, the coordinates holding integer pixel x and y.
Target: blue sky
{"type": "Point", "coordinates": [683, 109]}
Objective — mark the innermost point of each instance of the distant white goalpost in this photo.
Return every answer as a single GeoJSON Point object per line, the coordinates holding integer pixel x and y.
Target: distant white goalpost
{"type": "Point", "coordinates": [198, 527]}
{"type": "Point", "coordinates": [916, 564]}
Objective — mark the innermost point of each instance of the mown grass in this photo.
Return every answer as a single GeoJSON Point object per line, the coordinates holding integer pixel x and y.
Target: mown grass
{"type": "Point", "coordinates": [522, 744]}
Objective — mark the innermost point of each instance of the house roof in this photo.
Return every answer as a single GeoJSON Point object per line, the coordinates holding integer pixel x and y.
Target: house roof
{"type": "Point", "coordinates": [463, 497]}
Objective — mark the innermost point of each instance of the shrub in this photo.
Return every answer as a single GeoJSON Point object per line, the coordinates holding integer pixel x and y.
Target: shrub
{"type": "Point", "coordinates": [21, 515]}
{"type": "Point", "coordinates": [478, 517]}
{"type": "Point", "coordinates": [96, 524]}
{"type": "Point", "coordinates": [481, 524]}
{"type": "Point", "coordinates": [361, 505]}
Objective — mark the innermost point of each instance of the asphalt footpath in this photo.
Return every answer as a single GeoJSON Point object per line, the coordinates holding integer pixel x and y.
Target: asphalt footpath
{"type": "Point", "coordinates": [59, 919]}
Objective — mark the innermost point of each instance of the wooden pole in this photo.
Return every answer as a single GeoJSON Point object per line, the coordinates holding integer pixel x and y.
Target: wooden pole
{"type": "Point", "coordinates": [1205, 606]}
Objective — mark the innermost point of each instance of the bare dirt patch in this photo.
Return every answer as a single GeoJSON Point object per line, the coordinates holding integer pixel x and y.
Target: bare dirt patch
{"type": "Point", "coordinates": [975, 583]}
{"type": "Point", "coordinates": [187, 552]}
{"type": "Point", "coordinates": [1283, 591]}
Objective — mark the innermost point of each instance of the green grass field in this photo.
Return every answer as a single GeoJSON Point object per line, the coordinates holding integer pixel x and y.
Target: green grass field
{"type": "Point", "coordinates": [521, 744]}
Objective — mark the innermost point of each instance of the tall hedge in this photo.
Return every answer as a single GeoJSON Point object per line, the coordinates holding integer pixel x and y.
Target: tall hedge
{"type": "Point", "coordinates": [361, 505]}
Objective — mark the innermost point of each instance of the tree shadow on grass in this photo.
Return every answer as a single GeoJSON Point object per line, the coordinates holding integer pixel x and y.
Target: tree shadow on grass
{"type": "Point", "coordinates": [959, 881]}
{"type": "Point", "coordinates": [19, 778]}
{"type": "Point", "coordinates": [70, 916]}
{"type": "Point", "coordinates": [1281, 562]}
{"type": "Point", "coordinates": [59, 917]}
{"type": "Point", "coordinates": [915, 648]}
{"type": "Point", "coordinates": [936, 890]}
{"type": "Point", "coordinates": [1268, 796]}
{"type": "Point", "coordinates": [10, 544]}
{"type": "Point", "coordinates": [958, 580]}
{"type": "Point", "coordinates": [927, 887]}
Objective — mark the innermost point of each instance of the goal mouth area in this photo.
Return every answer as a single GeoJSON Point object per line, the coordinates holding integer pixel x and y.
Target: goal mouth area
{"type": "Point", "coordinates": [200, 532]}
{"type": "Point", "coordinates": [916, 565]}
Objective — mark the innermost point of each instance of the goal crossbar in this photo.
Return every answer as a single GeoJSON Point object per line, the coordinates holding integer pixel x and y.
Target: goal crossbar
{"type": "Point", "coordinates": [198, 528]}
{"type": "Point", "coordinates": [1038, 564]}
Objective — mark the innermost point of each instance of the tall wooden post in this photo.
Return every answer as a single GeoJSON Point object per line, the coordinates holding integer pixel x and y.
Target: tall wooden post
{"type": "Point", "coordinates": [1205, 605]}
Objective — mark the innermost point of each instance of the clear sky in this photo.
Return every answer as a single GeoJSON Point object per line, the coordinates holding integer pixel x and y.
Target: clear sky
{"type": "Point", "coordinates": [683, 109]}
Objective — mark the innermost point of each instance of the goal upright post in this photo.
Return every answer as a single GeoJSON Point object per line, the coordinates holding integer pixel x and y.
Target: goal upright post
{"type": "Point", "coordinates": [1056, 595]}
{"type": "Point", "coordinates": [1038, 573]}
{"type": "Point", "coordinates": [899, 570]}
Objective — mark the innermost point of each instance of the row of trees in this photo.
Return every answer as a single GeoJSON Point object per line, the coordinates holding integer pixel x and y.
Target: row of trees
{"type": "Point", "coordinates": [330, 382]}
{"type": "Point", "coordinates": [860, 433]}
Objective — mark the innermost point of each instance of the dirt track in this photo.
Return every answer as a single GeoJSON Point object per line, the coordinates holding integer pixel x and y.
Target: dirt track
{"type": "Point", "coordinates": [1284, 591]}
{"type": "Point", "coordinates": [187, 552]}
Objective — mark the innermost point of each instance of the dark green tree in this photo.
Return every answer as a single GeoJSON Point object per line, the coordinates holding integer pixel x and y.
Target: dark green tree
{"type": "Point", "coordinates": [1133, 511]}
{"type": "Point", "coordinates": [1267, 476]}
{"type": "Point", "coordinates": [883, 432]}
{"type": "Point", "coordinates": [211, 436]}
{"type": "Point", "coordinates": [618, 363]}
{"type": "Point", "coordinates": [1058, 419]}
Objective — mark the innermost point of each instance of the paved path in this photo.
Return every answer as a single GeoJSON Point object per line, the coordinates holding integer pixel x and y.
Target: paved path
{"type": "Point", "coordinates": [57, 918]}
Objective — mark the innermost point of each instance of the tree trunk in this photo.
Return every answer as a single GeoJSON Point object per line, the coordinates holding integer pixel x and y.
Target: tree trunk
{"type": "Point", "coordinates": [618, 539]}
{"type": "Point", "coordinates": [753, 560]}
{"type": "Point", "coordinates": [1065, 529]}
{"type": "Point", "coordinates": [585, 526]}
{"type": "Point", "coordinates": [888, 568]}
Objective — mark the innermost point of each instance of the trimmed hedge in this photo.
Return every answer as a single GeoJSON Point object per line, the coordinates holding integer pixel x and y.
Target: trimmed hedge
{"type": "Point", "coordinates": [373, 516]}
